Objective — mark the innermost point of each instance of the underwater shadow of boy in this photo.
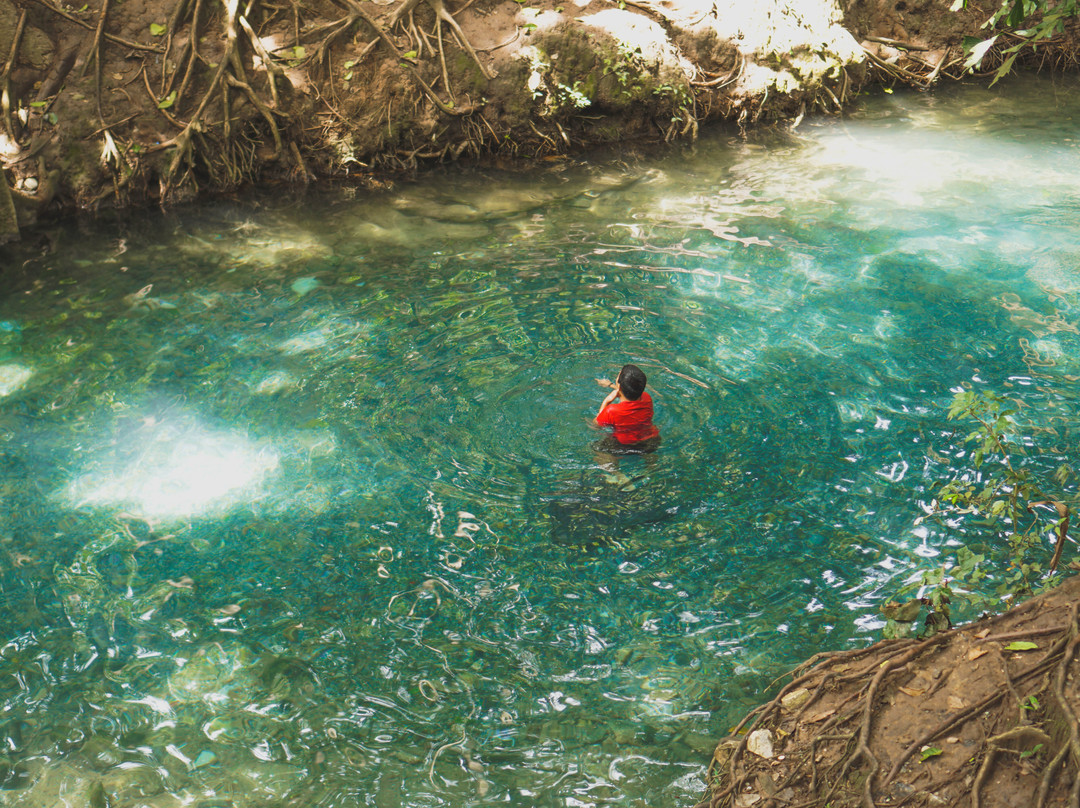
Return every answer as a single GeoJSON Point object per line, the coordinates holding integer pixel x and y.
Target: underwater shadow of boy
{"type": "Point", "coordinates": [588, 514]}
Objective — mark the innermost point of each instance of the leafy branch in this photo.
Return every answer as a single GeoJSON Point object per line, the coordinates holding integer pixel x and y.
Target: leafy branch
{"type": "Point", "coordinates": [998, 493]}
{"type": "Point", "coordinates": [1026, 23]}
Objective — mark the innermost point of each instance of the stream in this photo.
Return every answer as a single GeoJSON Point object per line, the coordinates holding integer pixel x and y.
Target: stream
{"type": "Point", "coordinates": [300, 501]}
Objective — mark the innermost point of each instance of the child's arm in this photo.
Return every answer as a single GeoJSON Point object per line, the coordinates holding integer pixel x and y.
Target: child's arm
{"type": "Point", "coordinates": [612, 396]}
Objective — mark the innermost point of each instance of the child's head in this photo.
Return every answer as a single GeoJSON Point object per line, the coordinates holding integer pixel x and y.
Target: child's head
{"type": "Point", "coordinates": [631, 381]}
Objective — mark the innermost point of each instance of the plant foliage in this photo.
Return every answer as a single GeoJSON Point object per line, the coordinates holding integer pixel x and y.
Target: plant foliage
{"type": "Point", "coordinates": [1000, 494]}
{"type": "Point", "coordinates": [1025, 24]}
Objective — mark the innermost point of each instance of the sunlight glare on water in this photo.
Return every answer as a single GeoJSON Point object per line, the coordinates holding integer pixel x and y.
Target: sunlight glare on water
{"type": "Point", "coordinates": [301, 505]}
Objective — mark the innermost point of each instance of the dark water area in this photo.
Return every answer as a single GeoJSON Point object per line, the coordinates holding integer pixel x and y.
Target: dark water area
{"type": "Point", "coordinates": [301, 507]}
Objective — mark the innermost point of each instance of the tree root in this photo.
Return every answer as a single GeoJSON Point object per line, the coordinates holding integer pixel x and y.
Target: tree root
{"type": "Point", "coordinates": [5, 78]}
{"type": "Point", "coordinates": [836, 756]}
{"type": "Point", "coordinates": [127, 43]}
{"type": "Point", "coordinates": [439, 7]}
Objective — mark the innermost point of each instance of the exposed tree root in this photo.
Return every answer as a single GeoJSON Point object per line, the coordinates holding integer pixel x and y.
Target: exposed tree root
{"type": "Point", "coordinates": [127, 43]}
{"type": "Point", "coordinates": [5, 78]}
{"type": "Point", "coordinates": [837, 727]}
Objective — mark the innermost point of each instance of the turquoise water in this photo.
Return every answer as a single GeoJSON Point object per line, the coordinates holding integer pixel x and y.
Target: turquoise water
{"type": "Point", "coordinates": [300, 504]}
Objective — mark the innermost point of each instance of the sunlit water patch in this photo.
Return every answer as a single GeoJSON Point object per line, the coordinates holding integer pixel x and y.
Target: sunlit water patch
{"type": "Point", "coordinates": [301, 504]}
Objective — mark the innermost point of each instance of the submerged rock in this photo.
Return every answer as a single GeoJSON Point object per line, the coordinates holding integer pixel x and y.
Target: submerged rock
{"type": "Point", "coordinates": [13, 377]}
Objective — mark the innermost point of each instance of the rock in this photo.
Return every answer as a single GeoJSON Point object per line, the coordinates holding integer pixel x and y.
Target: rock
{"type": "Point", "coordinates": [12, 377]}
{"type": "Point", "coordinates": [30, 184]}
{"type": "Point", "coordinates": [795, 699]}
{"type": "Point", "coordinates": [760, 743]}
{"type": "Point", "coordinates": [204, 758]}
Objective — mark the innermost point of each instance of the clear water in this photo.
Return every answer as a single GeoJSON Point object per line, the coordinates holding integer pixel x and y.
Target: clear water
{"type": "Point", "coordinates": [299, 501]}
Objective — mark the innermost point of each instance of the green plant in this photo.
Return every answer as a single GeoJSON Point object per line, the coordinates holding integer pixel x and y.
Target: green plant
{"type": "Point", "coordinates": [999, 493]}
{"type": "Point", "coordinates": [1030, 23]}
{"type": "Point", "coordinates": [626, 66]}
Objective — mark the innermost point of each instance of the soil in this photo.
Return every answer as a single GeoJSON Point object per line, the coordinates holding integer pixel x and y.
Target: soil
{"type": "Point", "coordinates": [129, 102]}
{"type": "Point", "coordinates": [982, 716]}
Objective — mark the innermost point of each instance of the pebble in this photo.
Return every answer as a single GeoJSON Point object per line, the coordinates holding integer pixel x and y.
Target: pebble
{"type": "Point", "coordinates": [30, 184]}
{"type": "Point", "coordinates": [795, 699]}
{"type": "Point", "coordinates": [204, 758]}
{"type": "Point", "coordinates": [760, 743]}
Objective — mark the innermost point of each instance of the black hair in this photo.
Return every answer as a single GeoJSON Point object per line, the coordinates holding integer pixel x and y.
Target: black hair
{"type": "Point", "coordinates": [632, 382]}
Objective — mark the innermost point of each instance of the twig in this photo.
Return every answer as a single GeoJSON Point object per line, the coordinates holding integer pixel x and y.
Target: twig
{"type": "Point", "coordinates": [1020, 635]}
{"type": "Point", "coordinates": [5, 81]}
{"type": "Point", "coordinates": [1066, 708]}
{"type": "Point", "coordinates": [182, 141]}
{"type": "Point", "coordinates": [263, 110]}
{"type": "Point", "coordinates": [273, 69]}
{"type": "Point", "coordinates": [896, 43]}
{"type": "Point", "coordinates": [193, 41]}
{"type": "Point", "coordinates": [95, 48]}
{"type": "Point", "coordinates": [108, 126]}
{"type": "Point", "coordinates": [118, 40]}
{"type": "Point", "coordinates": [441, 13]}
{"type": "Point", "coordinates": [458, 744]}
{"type": "Point", "coordinates": [157, 102]}
{"type": "Point", "coordinates": [723, 81]}
{"type": "Point", "coordinates": [863, 750]}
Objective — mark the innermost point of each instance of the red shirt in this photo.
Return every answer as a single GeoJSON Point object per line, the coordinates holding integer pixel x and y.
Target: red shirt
{"type": "Point", "coordinates": [632, 419]}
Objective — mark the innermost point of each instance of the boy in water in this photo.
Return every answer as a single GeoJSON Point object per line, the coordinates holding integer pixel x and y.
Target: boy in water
{"type": "Point", "coordinates": [629, 410]}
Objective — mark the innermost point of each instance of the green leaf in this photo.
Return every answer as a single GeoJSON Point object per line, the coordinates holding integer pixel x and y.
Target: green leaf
{"type": "Point", "coordinates": [409, 55]}
{"type": "Point", "coordinates": [350, 63]}
{"type": "Point", "coordinates": [167, 101]}
{"type": "Point", "coordinates": [348, 76]}
{"type": "Point", "coordinates": [1030, 752]}
{"type": "Point", "coordinates": [299, 52]}
{"type": "Point", "coordinates": [1016, 15]}
{"type": "Point", "coordinates": [39, 103]}
{"type": "Point", "coordinates": [1005, 69]}
{"type": "Point", "coordinates": [1021, 645]}
{"type": "Point", "coordinates": [156, 29]}
{"type": "Point", "coordinates": [929, 752]}
{"type": "Point", "coordinates": [977, 52]}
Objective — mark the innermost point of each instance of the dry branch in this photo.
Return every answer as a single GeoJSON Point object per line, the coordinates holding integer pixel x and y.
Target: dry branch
{"type": "Point", "coordinates": [5, 80]}
{"type": "Point", "coordinates": [118, 40]}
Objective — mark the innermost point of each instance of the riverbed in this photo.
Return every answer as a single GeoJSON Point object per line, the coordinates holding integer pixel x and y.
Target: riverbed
{"type": "Point", "coordinates": [301, 501]}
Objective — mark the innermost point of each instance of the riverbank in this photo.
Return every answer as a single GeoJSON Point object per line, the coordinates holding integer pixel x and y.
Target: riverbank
{"type": "Point", "coordinates": [985, 715]}
{"type": "Point", "coordinates": [132, 105]}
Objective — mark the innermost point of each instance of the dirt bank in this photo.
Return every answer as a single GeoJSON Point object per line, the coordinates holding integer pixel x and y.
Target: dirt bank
{"type": "Point", "coordinates": [982, 716]}
{"type": "Point", "coordinates": [157, 100]}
